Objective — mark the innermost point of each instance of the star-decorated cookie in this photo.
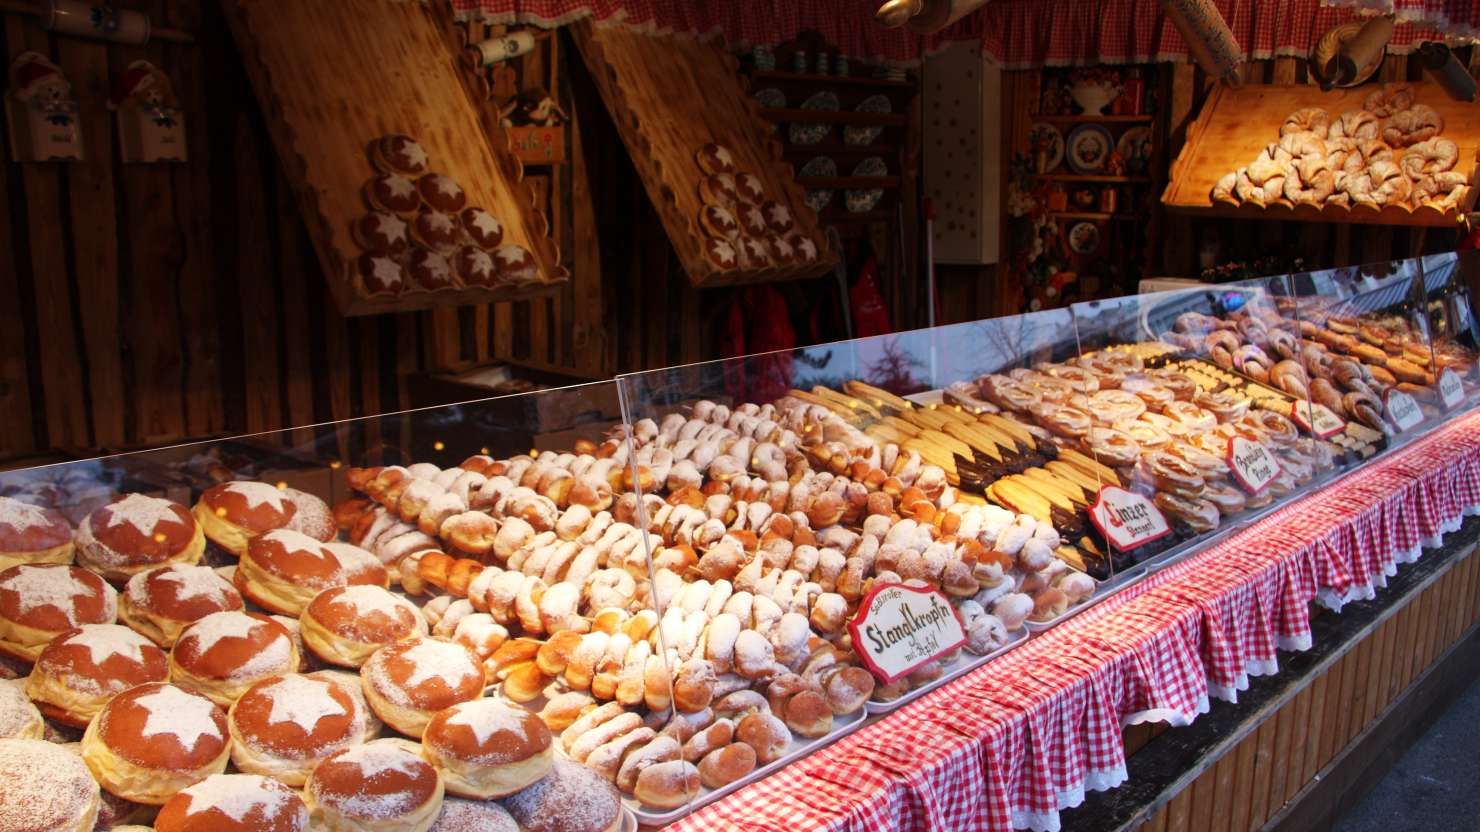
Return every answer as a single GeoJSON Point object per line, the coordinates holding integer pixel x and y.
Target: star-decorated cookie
{"type": "Point", "coordinates": [436, 231]}
{"type": "Point", "coordinates": [715, 158]}
{"type": "Point", "coordinates": [721, 253]}
{"type": "Point", "coordinates": [719, 222]}
{"type": "Point", "coordinates": [380, 275]}
{"type": "Point", "coordinates": [516, 265]}
{"type": "Point", "coordinates": [381, 232]}
{"type": "Point", "coordinates": [394, 193]}
{"type": "Point", "coordinates": [475, 266]}
{"type": "Point", "coordinates": [442, 193]}
{"type": "Point", "coordinates": [399, 153]}
{"type": "Point", "coordinates": [429, 270]}
{"type": "Point", "coordinates": [482, 228]}
{"type": "Point", "coordinates": [749, 189]}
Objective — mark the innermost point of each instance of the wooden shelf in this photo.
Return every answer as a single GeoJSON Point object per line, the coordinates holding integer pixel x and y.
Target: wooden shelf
{"type": "Point", "coordinates": [806, 152]}
{"type": "Point", "coordinates": [838, 117]}
{"type": "Point", "coordinates": [1096, 119]}
{"type": "Point", "coordinates": [848, 181]}
{"type": "Point", "coordinates": [844, 218]}
{"type": "Point", "coordinates": [845, 80]}
{"type": "Point", "coordinates": [1090, 215]}
{"type": "Point", "coordinates": [1079, 177]}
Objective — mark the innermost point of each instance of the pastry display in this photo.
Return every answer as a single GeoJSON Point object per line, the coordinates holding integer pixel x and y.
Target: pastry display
{"type": "Point", "coordinates": [393, 193]}
{"type": "Point", "coordinates": [407, 682]}
{"type": "Point", "coordinates": [571, 798]}
{"type": "Point", "coordinates": [224, 653]}
{"type": "Point", "coordinates": [80, 670]}
{"type": "Point", "coordinates": [234, 803]}
{"type": "Point", "coordinates": [284, 725]}
{"type": "Point", "coordinates": [135, 533]}
{"type": "Point", "coordinates": [161, 602]}
{"type": "Point", "coordinates": [345, 625]}
{"type": "Point", "coordinates": [381, 785]}
{"type": "Point", "coordinates": [488, 749]}
{"type": "Point", "coordinates": [32, 534]}
{"type": "Point", "coordinates": [1389, 152]}
{"type": "Point", "coordinates": [429, 270]}
{"type": "Point", "coordinates": [282, 570]}
{"type": "Point", "coordinates": [39, 602]}
{"type": "Point", "coordinates": [19, 717]}
{"type": "Point", "coordinates": [233, 513]}
{"type": "Point", "coordinates": [151, 741]}
{"type": "Point", "coordinates": [714, 158]}
{"type": "Point", "coordinates": [46, 787]}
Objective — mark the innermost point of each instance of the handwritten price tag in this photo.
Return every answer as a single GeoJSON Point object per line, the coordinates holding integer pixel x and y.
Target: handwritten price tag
{"type": "Point", "coordinates": [1127, 519]}
{"type": "Point", "coordinates": [899, 628]}
{"type": "Point", "coordinates": [1317, 419]}
{"type": "Point", "coordinates": [1403, 410]}
{"type": "Point", "coordinates": [1252, 464]}
{"type": "Point", "coordinates": [1451, 389]}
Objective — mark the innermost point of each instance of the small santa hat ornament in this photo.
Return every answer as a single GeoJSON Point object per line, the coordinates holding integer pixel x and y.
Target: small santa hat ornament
{"type": "Point", "coordinates": [138, 78]}
{"type": "Point", "coordinates": [31, 69]}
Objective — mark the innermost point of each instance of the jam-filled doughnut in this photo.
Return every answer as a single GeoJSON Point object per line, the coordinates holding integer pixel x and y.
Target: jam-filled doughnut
{"type": "Point", "coordinates": [488, 749]}
{"type": "Point", "coordinates": [381, 786]}
{"type": "Point", "coordinates": [234, 803]}
{"type": "Point", "coordinates": [19, 717]}
{"type": "Point", "coordinates": [151, 741]}
{"type": "Point", "coordinates": [223, 654]}
{"type": "Point", "coordinates": [32, 534]}
{"type": "Point", "coordinates": [135, 533]}
{"type": "Point", "coordinates": [47, 788]}
{"type": "Point", "coordinates": [233, 513]}
{"type": "Point", "coordinates": [311, 516]}
{"type": "Point", "coordinates": [345, 625]}
{"type": "Point", "coordinates": [545, 806]}
{"type": "Point", "coordinates": [78, 672]}
{"type": "Point", "coordinates": [161, 602]}
{"type": "Point", "coordinates": [284, 725]}
{"type": "Point", "coordinates": [409, 681]}
{"type": "Point", "coordinates": [39, 602]}
{"type": "Point", "coordinates": [282, 570]}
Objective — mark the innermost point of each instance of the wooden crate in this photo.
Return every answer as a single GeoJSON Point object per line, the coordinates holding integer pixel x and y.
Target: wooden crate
{"type": "Point", "coordinates": [1235, 124]}
{"type": "Point", "coordinates": [332, 77]}
{"type": "Point", "coordinates": [670, 96]}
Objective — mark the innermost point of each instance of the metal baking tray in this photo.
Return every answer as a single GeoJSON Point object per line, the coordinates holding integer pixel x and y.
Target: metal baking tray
{"type": "Point", "coordinates": [963, 665]}
{"type": "Point", "coordinates": [1101, 592]}
{"type": "Point", "coordinates": [842, 726]}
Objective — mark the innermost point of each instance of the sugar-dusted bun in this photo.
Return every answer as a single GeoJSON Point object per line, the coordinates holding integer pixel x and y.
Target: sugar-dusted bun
{"type": "Point", "coordinates": [488, 749]}
{"type": "Point", "coordinates": [19, 717]}
{"type": "Point", "coordinates": [284, 725]}
{"type": "Point", "coordinates": [161, 602]}
{"type": "Point", "coordinates": [311, 516]}
{"type": "Point", "coordinates": [381, 786]}
{"type": "Point", "coordinates": [134, 533]}
{"type": "Point", "coordinates": [47, 788]}
{"type": "Point", "coordinates": [38, 602]}
{"type": "Point", "coordinates": [32, 534]}
{"type": "Point", "coordinates": [233, 513]}
{"type": "Point", "coordinates": [459, 815]}
{"type": "Point", "coordinates": [282, 570]}
{"type": "Point", "coordinates": [571, 798]}
{"type": "Point", "coordinates": [667, 785]}
{"type": "Point", "coordinates": [344, 625]}
{"type": "Point", "coordinates": [406, 682]}
{"type": "Point", "coordinates": [371, 725]}
{"type": "Point", "coordinates": [234, 803]}
{"type": "Point", "coordinates": [154, 740]}
{"type": "Point", "coordinates": [225, 653]}
{"type": "Point", "coordinates": [76, 675]}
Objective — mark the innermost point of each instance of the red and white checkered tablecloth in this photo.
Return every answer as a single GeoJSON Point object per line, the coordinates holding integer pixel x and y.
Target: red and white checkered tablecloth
{"type": "Point", "coordinates": [1017, 33]}
{"type": "Point", "coordinates": [1011, 744]}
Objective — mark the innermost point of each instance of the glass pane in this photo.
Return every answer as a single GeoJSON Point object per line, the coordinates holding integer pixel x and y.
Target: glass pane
{"type": "Point", "coordinates": [1451, 322]}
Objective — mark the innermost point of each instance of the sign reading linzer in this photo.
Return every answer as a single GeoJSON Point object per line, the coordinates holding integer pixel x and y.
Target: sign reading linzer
{"type": "Point", "coordinates": [1127, 519]}
{"type": "Point", "coordinates": [1403, 409]}
{"type": "Point", "coordinates": [1252, 464]}
{"type": "Point", "coordinates": [1316, 419]}
{"type": "Point", "coordinates": [899, 628]}
{"type": "Point", "coordinates": [1451, 389]}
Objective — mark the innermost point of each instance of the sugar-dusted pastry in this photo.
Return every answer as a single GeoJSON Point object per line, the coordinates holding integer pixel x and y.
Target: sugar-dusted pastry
{"type": "Point", "coordinates": [380, 274]}
{"type": "Point", "coordinates": [137, 532]}
{"type": "Point", "coordinates": [284, 725]}
{"type": "Point", "coordinates": [716, 158]}
{"type": "Point", "coordinates": [381, 786]}
{"type": "Point", "coordinates": [399, 153]}
{"type": "Point", "coordinates": [781, 251]}
{"type": "Point", "coordinates": [282, 570]}
{"type": "Point", "coordinates": [19, 717]}
{"type": "Point", "coordinates": [805, 250]}
{"type": "Point", "coordinates": [488, 749]}
{"type": "Point", "coordinates": [381, 232]}
{"type": "Point", "coordinates": [80, 670]}
{"type": "Point", "coordinates": [32, 534]}
{"type": "Point", "coordinates": [234, 803]}
{"type": "Point", "coordinates": [778, 217]}
{"type": "Point", "coordinates": [394, 193]}
{"type": "Point", "coordinates": [721, 253]}
{"type": "Point", "coordinates": [47, 788]}
{"type": "Point", "coordinates": [460, 815]}
{"type": "Point", "coordinates": [409, 681]}
{"type": "Point", "coordinates": [749, 188]}
{"type": "Point", "coordinates": [475, 266]}
{"type": "Point", "coordinates": [345, 625]}
{"type": "Point", "coordinates": [719, 189]}
{"type": "Point", "coordinates": [39, 602]}
{"type": "Point", "coordinates": [437, 231]}
{"type": "Point", "coordinates": [161, 602]}
{"type": "Point", "coordinates": [223, 654]}
{"type": "Point", "coordinates": [717, 221]}
{"type": "Point", "coordinates": [429, 270]}
{"type": "Point", "coordinates": [571, 798]}
{"type": "Point", "coordinates": [481, 227]}
{"type": "Point", "coordinates": [151, 741]}
{"type": "Point", "coordinates": [752, 219]}
{"type": "Point", "coordinates": [234, 512]}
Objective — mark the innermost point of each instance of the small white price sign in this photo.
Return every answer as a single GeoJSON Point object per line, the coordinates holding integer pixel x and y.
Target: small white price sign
{"type": "Point", "coordinates": [1403, 410]}
{"type": "Point", "coordinates": [899, 628]}
{"type": "Point", "coordinates": [1127, 519]}
{"type": "Point", "coordinates": [1317, 419]}
{"type": "Point", "coordinates": [1451, 389]}
{"type": "Point", "coordinates": [1252, 464]}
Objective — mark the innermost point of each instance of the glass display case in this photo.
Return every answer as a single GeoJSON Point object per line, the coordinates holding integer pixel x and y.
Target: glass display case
{"type": "Point", "coordinates": [685, 572]}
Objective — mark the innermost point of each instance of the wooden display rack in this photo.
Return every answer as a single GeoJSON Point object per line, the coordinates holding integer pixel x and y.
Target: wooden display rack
{"type": "Point", "coordinates": [1235, 124]}
{"type": "Point", "coordinates": [332, 77]}
{"type": "Point", "coordinates": [671, 95]}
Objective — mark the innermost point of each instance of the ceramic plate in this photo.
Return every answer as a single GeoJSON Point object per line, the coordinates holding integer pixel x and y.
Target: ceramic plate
{"type": "Point", "coordinates": [770, 98]}
{"type": "Point", "coordinates": [1046, 136]}
{"type": "Point", "coordinates": [863, 200]}
{"type": "Point", "coordinates": [819, 166]}
{"type": "Point", "coordinates": [805, 134]}
{"type": "Point", "coordinates": [1088, 147]}
{"type": "Point", "coordinates": [858, 135]}
{"type": "Point", "coordinates": [1135, 148]}
{"type": "Point", "coordinates": [1084, 238]}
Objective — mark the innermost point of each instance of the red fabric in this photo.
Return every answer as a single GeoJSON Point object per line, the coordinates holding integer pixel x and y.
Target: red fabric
{"type": "Point", "coordinates": [1011, 744]}
{"type": "Point", "coordinates": [758, 325]}
{"type": "Point", "coordinates": [1018, 33]}
{"type": "Point", "coordinates": [870, 313]}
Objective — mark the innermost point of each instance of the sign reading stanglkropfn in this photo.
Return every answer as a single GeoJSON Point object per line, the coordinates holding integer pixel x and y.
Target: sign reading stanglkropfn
{"type": "Point", "coordinates": [899, 628]}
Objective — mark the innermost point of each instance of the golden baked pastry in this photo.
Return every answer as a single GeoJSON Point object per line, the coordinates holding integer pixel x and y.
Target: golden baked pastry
{"type": "Point", "coordinates": [223, 654]}
{"type": "Point", "coordinates": [284, 725]}
{"type": "Point", "coordinates": [38, 602]}
{"type": "Point", "coordinates": [282, 570]}
{"type": "Point", "coordinates": [136, 532]}
{"type": "Point", "coordinates": [233, 513]}
{"type": "Point", "coordinates": [344, 625]}
{"type": "Point", "coordinates": [47, 788]}
{"type": "Point", "coordinates": [488, 749]}
{"type": "Point", "coordinates": [32, 534]}
{"type": "Point", "coordinates": [79, 671]}
{"type": "Point", "coordinates": [151, 741]}
{"type": "Point", "coordinates": [382, 786]}
{"type": "Point", "coordinates": [571, 798]}
{"type": "Point", "coordinates": [234, 803]}
{"type": "Point", "coordinates": [409, 681]}
{"type": "Point", "coordinates": [161, 602]}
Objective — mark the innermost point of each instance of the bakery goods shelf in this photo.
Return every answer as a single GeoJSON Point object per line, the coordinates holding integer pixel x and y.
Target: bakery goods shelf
{"type": "Point", "coordinates": [1236, 124]}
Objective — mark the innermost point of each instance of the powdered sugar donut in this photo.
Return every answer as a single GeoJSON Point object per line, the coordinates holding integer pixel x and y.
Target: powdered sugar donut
{"type": "Point", "coordinates": [161, 602]}
{"type": "Point", "coordinates": [234, 803]}
{"type": "Point", "coordinates": [135, 533]}
{"type": "Point", "coordinates": [311, 516]}
{"type": "Point", "coordinates": [46, 788]}
{"type": "Point", "coordinates": [32, 534]}
{"type": "Point", "coordinates": [282, 570]}
{"type": "Point", "coordinates": [382, 786]}
{"type": "Point", "coordinates": [344, 625]}
{"type": "Point", "coordinates": [223, 654]}
{"type": "Point", "coordinates": [78, 672]}
{"type": "Point", "coordinates": [151, 741]}
{"type": "Point", "coordinates": [19, 718]}
{"type": "Point", "coordinates": [459, 815]}
{"type": "Point", "coordinates": [406, 682]}
{"type": "Point", "coordinates": [232, 513]}
{"type": "Point", "coordinates": [38, 602]}
{"type": "Point", "coordinates": [571, 798]}
{"type": "Point", "coordinates": [488, 749]}
{"type": "Point", "coordinates": [284, 725]}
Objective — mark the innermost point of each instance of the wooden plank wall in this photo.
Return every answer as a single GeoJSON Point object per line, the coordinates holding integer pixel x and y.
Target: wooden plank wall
{"type": "Point", "coordinates": [1250, 783]}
